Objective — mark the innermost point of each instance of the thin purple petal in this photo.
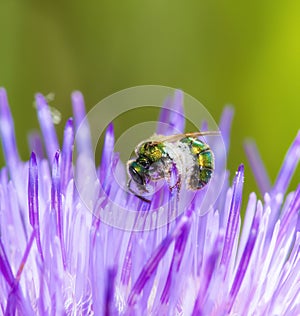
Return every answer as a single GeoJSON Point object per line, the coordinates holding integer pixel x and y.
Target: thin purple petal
{"type": "Point", "coordinates": [258, 168]}
{"type": "Point", "coordinates": [211, 264]}
{"type": "Point", "coordinates": [67, 154]}
{"type": "Point", "coordinates": [233, 219]}
{"type": "Point", "coordinates": [7, 133]}
{"type": "Point", "coordinates": [36, 144]}
{"type": "Point", "coordinates": [82, 129]}
{"type": "Point", "coordinates": [290, 218]}
{"type": "Point", "coordinates": [243, 265]}
{"type": "Point", "coordinates": [109, 292]}
{"type": "Point", "coordinates": [284, 177]}
{"type": "Point", "coordinates": [107, 154]}
{"type": "Point", "coordinates": [24, 259]}
{"type": "Point", "coordinates": [47, 126]}
{"type": "Point", "coordinates": [179, 249]}
{"type": "Point", "coordinates": [172, 120]}
{"type": "Point", "coordinates": [33, 203]}
{"type": "Point", "coordinates": [56, 203]}
{"type": "Point", "coordinates": [5, 267]}
{"type": "Point", "coordinates": [152, 263]}
{"type": "Point", "coordinates": [288, 168]}
{"type": "Point", "coordinates": [225, 125]}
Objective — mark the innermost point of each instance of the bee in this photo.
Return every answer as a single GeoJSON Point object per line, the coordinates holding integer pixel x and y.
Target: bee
{"type": "Point", "coordinates": [158, 157]}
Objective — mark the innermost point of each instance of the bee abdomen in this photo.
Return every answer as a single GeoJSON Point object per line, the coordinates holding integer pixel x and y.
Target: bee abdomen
{"type": "Point", "coordinates": [206, 159]}
{"type": "Point", "coordinates": [204, 177]}
{"type": "Point", "coordinates": [204, 163]}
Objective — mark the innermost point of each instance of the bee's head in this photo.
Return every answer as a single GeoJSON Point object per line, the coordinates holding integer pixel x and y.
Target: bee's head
{"type": "Point", "coordinates": [138, 170]}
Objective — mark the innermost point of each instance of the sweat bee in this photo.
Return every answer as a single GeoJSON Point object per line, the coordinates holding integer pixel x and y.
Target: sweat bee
{"type": "Point", "coordinates": [159, 155]}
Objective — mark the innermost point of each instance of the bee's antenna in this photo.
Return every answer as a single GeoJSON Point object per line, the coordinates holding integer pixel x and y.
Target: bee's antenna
{"type": "Point", "coordinates": [204, 133]}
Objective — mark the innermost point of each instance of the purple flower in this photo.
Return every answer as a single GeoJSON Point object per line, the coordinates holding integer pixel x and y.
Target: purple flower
{"type": "Point", "coordinates": [58, 258]}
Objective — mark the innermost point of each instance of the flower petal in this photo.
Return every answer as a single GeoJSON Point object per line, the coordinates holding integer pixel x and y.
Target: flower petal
{"type": "Point", "coordinates": [47, 126]}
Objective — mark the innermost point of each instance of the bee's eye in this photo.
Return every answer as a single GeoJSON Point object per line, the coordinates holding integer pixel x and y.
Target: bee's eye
{"type": "Point", "coordinates": [136, 176]}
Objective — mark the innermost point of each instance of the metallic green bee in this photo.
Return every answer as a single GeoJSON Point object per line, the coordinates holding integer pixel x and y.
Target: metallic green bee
{"type": "Point", "coordinates": [157, 157]}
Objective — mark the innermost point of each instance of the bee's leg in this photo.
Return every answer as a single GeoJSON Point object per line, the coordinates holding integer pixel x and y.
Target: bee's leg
{"type": "Point", "coordinates": [133, 192]}
{"type": "Point", "coordinates": [174, 182]}
{"type": "Point", "coordinates": [157, 170]}
{"type": "Point", "coordinates": [177, 185]}
{"type": "Point", "coordinates": [174, 178]}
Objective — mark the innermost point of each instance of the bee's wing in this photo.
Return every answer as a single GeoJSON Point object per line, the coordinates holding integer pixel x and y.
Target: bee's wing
{"type": "Point", "coordinates": [177, 137]}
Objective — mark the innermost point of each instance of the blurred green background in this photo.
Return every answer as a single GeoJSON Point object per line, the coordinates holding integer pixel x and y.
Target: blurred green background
{"type": "Point", "coordinates": [246, 53]}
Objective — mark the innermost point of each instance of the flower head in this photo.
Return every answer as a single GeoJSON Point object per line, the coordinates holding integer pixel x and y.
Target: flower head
{"type": "Point", "coordinates": [57, 257]}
